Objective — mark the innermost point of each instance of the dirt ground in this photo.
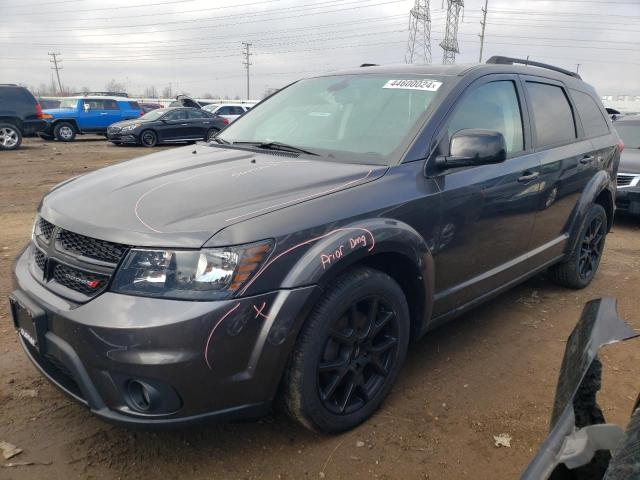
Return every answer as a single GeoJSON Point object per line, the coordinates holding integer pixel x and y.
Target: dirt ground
{"type": "Point", "coordinates": [490, 372]}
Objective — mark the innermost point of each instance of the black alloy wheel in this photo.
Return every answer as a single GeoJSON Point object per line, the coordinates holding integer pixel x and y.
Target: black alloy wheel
{"type": "Point", "coordinates": [358, 355]}
{"type": "Point", "coordinates": [148, 138]}
{"type": "Point", "coordinates": [591, 248]}
{"type": "Point", "coordinates": [211, 134]}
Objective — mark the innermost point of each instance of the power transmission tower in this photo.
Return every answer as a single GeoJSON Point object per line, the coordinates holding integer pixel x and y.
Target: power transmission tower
{"type": "Point", "coordinates": [483, 22]}
{"type": "Point", "coordinates": [247, 63]}
{"type": "Point", "coordinates": [419, 45]}
{"type": "Point", "coordinates": [450, 42]}
{"type": "Point", "coordinates": [56, 67]}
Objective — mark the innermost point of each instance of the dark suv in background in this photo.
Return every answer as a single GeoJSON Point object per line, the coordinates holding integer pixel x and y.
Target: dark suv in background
{"type": "Point", "coordinates": [628, 198]}
{"type": "Point", "coordinates": [299, 252]}
{"type": "Point", "coordinates": [20, 115]}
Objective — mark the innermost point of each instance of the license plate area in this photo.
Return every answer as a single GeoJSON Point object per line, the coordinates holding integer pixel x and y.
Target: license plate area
{"type": "Point", "coordinates": [29, 321]}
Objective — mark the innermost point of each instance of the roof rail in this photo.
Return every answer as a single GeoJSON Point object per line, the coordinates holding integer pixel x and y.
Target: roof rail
{"type": "Point", "coordinates": [101, 94]}
{"type": "Point", "coordinates": [499, 60]}
{"type": "Point", "coordinates": [369, 65]}
{"type": "Point", "coordinates": [8, 85]}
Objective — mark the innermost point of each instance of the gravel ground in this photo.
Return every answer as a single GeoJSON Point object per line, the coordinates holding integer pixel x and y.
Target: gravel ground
{"type": "Point", "coordinates": [491, 372]}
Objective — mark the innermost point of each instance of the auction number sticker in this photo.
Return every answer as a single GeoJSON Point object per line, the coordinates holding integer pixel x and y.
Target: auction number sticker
{"type": "Point", "coordinates": [426, 85]}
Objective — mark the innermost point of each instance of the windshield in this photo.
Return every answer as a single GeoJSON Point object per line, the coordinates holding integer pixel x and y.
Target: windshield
{"type": "Point", "coordinates": [154, 114]}
{"type": "Point", "coordinates": [348, 118]}
{"type": "Point", "coordinates": [630, 134]}
{"type": "Point", "coordinates": [69, 103]}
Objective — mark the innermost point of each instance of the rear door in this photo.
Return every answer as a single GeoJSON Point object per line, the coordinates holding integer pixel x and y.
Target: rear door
{"type": "Point", "coordinates": [568, 163]}
{"type": "Point", "coordinates": [488, 211]}
{"type": "Point", "coordinates": [199, 122]}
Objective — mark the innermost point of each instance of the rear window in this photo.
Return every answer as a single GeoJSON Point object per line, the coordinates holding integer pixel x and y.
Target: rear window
{"type": "Point", "coordinates": [17, 95]}
{"type": "Point", "coordinates": [591, 116]}
{"type": "Point", "coordinates": [552, 114]}
{"type": "Point", "coordinates": [134, 105]}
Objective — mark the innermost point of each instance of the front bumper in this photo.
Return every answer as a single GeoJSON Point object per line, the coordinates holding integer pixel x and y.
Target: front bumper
{"type": "Point", "coordinates": [628, 200]}
{"type": "Point", "coordinates": [203, 360]}
{"type": "Point", "coordinates": [122, 137]}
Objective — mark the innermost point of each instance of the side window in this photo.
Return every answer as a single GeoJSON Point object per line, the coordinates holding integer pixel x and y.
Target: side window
{"type": "Point", "coordinates": [95, 104]}
{"type": "Point", "coordinates": [110, 105]}
{"type": "Point", "coordinates": [237, 110]}
{"type": "Point", "coordinates": [552, 114]}
{"type": "Point", "coordinates": [591, 116]}
{"type": "Point", "coordinates": [492, 106]}
{"type": "Point", "coordinates": [176, 115]}
{"type": "Point", "coordinates": [193, 114]}
{"type": "Point", "coordinates": [225, 111]}
{"type": "Point", "coordinates": [134, 105]}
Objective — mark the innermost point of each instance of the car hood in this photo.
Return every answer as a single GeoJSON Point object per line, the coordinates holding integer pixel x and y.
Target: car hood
{"type": "Point", "coordinates": [133, 121]}
{"type": "Point", "coordinates": [182, 197]}
{"type": "Point", "coordinates": [630, 161]}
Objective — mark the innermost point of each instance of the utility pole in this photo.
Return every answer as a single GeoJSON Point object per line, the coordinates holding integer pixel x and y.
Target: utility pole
{"type": "Point", "coordinates": [483, 23]}
{"type": "Point", "coordinates": [450, 42]}
{"type": "Point", "coordinates": [247, 63]}
{"type": "Point", "coordinates": [56, 67]}
{"type": "Point", "coordinates": [419, 45]}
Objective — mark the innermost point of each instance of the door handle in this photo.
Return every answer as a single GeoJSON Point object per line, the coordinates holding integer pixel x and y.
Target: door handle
{"type": "Point", "coordinates": [528, 176]}
{"type": "Point", "coordinates": [104, 113]}
{"type": "Point", "coordinates": [586, 159]}
{"type": "Point", "coordinates": [184, 124]}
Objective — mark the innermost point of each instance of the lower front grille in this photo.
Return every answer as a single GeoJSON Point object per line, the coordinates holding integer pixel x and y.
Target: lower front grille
{"type": "Point", "coordinates": [79, 280]}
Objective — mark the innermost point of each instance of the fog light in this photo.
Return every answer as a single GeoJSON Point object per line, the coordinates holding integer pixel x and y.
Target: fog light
{"type": "Point", "coordinates": [143, 397]}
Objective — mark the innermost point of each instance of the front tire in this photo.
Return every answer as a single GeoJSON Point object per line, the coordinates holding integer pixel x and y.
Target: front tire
{"type": "Point", "coordinates": [349, 352]}
{"type": "Point", "coordinates": [10, 136]}
{"type": "Point", "coordinates": [578, 271]}
{"type": "Point", "coordinates": [149, 138]}
{"type": "Point", "coordinates": [64, 132]}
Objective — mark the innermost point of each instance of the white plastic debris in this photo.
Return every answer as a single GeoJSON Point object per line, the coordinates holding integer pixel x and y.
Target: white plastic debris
{"type": "Point", "coordinates": [502, 440]}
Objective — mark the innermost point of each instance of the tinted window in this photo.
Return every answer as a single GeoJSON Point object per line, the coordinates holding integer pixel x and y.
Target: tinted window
{"type": "Point", "coordinates": [134, 105]}
{"type": "Point", "coordinates": [176, 115]}
{"type": "Point", "coordinates": [591, 117]}
{"type": "Point", "coordinates": [197, 114]}
{"type": "Point", "coordinates": [225, 111]}
{"type": "Point", "coordinates": [552, 114]}
{"type": "Point", "coordinates": [237, 110]}
{"type": "Point", "coordinates": [110, 105]}
{"type": "Point", "coordinates": [492, 106]}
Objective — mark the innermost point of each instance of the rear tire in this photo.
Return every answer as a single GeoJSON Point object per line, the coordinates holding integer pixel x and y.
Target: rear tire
{"type": "Point", "coordinates": [349, 352]}
{"type": "Point", "coordinates": [10, 136]}
{"type": "Point", "coordinates": [580, 268]}
{"type": "Point", "coordinates": [210, 134]}
{"type": "Point", "coordinates": [65, 132]}
{"type": "Point", "coordinates": [148, 138]}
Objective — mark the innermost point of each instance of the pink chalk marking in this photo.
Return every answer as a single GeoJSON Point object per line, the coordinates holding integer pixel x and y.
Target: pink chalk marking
{"type": "Point", "coordinates": [306, 197]}
{"type": "Point", "coordinates": [219, 170]}
{"type": "Point", "coordinates": [259, 310]}
{"type": "Point", "coordinates": [206, 349]}
{"type": "Point", "coordinates": [266, 265]}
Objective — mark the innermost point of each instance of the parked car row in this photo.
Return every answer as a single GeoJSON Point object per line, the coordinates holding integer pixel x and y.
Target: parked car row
{"type": "Point", "coordinates": [120, 119]}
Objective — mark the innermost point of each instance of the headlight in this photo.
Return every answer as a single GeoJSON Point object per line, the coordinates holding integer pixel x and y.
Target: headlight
{"type": "Point", "coordinates": [128, 128]}
{"type": "Point", "coordinates": [207, 274]}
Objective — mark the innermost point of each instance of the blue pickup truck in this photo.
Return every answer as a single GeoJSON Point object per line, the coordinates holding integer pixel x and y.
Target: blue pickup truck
{"type": "Point", "coordinates": [90, 114]}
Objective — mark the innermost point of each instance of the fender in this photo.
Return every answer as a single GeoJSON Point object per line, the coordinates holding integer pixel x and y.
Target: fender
{"type": "Point", "coordinates": [68, 120]}
{"type": "Point", "coordinates": [600, 182]}
{"type": "Point", "coordinates": [327, 255]}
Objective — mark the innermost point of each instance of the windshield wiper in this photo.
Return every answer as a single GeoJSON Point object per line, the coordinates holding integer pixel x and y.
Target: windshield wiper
{"type": "Point", "coordinates": [277, 146]}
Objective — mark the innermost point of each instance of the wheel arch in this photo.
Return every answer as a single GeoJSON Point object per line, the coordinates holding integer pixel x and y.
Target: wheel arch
{"type": "Point", "coordinates": [390, 246]}
{"type": "Point", "coordinates": [72, 121]}
{"type": "Point", "coordinates": [599, 190]}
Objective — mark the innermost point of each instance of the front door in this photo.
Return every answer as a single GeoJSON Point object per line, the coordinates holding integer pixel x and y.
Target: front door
{"type": "Point", "coordinates": [488, 211]}
{"type": "Point", "coordinates": [174, 125]}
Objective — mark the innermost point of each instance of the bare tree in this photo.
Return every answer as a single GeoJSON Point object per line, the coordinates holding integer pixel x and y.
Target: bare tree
{"type": "Point", "coordinates": [85, 90]}
{"type": "Point", "coordinates": [114, 86]}
{"type": "Point", "coordinates": [269, 91]}
{"type": "Point", "coordinates": [167, 92]}
{"type": "Point", "coordinates": [207, 95]}
{"type": "Point", "coordinates": [151, 92]}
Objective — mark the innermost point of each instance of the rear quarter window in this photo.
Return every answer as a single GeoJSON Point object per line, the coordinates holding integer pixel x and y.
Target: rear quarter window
{"type": "Point", "coordinates": [591, 116]}
{"type": "Point", "coordinates": [134, 105]}
{"type": "Point", "coordinates": [552, 114]}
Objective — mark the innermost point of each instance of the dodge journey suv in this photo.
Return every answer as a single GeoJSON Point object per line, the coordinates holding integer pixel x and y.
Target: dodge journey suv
{"type": "Point", "coordinates": [297, 254]}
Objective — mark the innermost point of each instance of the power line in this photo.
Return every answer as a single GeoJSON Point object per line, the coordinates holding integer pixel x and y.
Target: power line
{"type": "Point", "coordinates": [191, 28]}
{"type": "Point", "coordinates": [247, 63]}
{"type": "Point", "coordinates": [419, 44]}
{"type": "Point", "coordinates": [56, 67]}
{"type": "Point", "coordinates": [450, 43]}
{"type": "Point", "coordinates": [58, 12]}
{"type": "Point", "coordinates": [483, 22]}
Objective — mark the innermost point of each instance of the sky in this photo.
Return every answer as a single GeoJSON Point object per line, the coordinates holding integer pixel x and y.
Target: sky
{"type": "Point", "coordinates": [195, 46]}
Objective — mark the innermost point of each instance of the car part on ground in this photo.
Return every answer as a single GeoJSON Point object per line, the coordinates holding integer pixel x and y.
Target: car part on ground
{"type": "Point", "coordinates": [410, 192]}
{"type": "Point", "coordinates": [580, 443]}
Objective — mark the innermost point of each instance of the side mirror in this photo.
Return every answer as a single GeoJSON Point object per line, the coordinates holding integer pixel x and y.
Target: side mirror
{"type": "Point", "coordinates": [87, 107]}
{"type": "Point", "coordinates": [474, 147]}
